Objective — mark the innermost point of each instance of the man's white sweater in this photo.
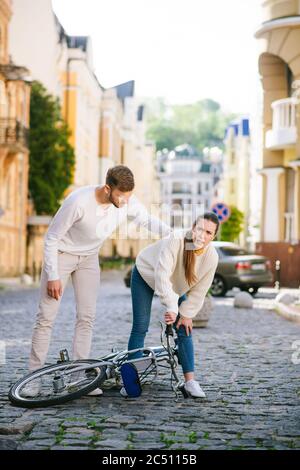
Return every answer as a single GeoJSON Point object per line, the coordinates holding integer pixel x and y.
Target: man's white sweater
{"type": "Point", "coordinates": [81, 225]}
{"type": "Point", "coordinates": [161, 266]}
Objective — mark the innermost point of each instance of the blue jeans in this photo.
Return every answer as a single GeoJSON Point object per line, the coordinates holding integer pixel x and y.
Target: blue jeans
{"type": "Point", "coordinates": [142, 296]}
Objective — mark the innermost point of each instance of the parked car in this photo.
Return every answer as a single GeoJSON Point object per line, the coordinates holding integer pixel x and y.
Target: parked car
{"type": "Point", "coordinates": [239, 268]}
{"type": "Point", "coordinates": [236, 268]}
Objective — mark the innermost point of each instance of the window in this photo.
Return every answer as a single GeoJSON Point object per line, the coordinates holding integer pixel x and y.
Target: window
{"type": "Point", "coordinates": [290, 79]}
{"type": "Point", "coordinates": [3, 100]}
{"type": "Point", "coordinates": [233, 251]}
{"type": "Point", "coordinates": [181, 188]}
{"type": "Point", "coordinates": [232, 157]}
{"type": "Point", "coordinates": [8, 192]}
{"type": "Point", "coordinates": [177, 221]}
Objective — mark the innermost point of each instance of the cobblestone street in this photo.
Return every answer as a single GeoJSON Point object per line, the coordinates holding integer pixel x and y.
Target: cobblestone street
{"type": "Point", "coordinates": [243, 362]}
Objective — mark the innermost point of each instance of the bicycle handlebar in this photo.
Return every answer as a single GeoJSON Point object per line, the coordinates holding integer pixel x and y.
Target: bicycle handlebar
{"type": "Point", "coordinates": [169, 330]}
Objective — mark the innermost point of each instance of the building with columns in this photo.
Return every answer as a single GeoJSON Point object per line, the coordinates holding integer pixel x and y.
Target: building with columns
{"type": "Point", "coordinates": [279, 66]}
{"type": "Point", "coordinates": [14, 124]}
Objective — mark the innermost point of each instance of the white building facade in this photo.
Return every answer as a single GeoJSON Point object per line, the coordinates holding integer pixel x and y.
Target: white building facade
{"type": "Point", "coordinates": [187, 184]}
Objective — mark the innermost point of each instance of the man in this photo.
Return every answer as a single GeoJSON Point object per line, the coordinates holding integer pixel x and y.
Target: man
{"type": "Point", "coordinates": [87, 217]}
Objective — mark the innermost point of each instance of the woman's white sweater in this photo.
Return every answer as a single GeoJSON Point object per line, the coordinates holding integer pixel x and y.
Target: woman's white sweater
{"type": "Point", "coordinates": [161, 267]}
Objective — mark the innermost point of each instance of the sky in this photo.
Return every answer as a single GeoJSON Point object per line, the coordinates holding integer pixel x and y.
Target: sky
{"type": "Point", "coordinates": [182, 50]}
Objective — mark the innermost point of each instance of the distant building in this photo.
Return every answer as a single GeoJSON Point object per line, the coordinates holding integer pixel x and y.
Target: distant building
{"type": "Point", "coordinates": [123, 141]}
{"type": "Point", "coordinates": [187, 182]}
{"type": "Point", "coordinates": [236, 177]}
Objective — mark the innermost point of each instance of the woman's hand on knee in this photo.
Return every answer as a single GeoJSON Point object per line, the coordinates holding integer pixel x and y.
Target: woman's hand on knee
{"type": "Point", "coordinates": [187, 323]}
{"type": "Point", "coordinates": [170, 318]}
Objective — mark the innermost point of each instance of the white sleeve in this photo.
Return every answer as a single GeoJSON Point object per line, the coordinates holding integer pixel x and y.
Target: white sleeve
{"type": "Point", "coordinates": [163, 272]}
{"type": "Point", "coordinates": [142, 218]}
{"type": "Point", "coordinates": [68, 213]}
{"type": "Point", "coordinates": [196, 295]}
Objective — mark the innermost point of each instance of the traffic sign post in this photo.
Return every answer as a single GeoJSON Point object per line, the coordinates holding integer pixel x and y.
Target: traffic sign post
{"type": "Point", "coordinates": [222, 211]}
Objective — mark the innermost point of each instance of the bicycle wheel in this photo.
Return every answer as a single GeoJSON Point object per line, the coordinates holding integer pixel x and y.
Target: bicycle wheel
{"type": "Point", "coordinates": [58, 383]}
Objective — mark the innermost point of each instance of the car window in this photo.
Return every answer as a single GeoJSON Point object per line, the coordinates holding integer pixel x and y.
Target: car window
{"type": "Point", "coordinates": [233, 251]}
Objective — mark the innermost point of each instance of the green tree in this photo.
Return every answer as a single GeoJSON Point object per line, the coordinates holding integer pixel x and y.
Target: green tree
{"type": "Point", "coordinates": [52, 158]}
{"type": "Point", "coordinates": [231, 229]}
{"type": "Point", "coordinates": [200, 124]}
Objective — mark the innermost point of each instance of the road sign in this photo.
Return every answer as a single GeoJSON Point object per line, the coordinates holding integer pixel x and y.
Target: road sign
{"type": "Point", "coordinates": [222, 211]}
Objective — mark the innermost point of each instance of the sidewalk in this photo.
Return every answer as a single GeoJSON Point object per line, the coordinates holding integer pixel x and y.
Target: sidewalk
{"type": "Point", "coordinates": [245, 361]}
{"type": "Point", "coordinates": [16, 283]}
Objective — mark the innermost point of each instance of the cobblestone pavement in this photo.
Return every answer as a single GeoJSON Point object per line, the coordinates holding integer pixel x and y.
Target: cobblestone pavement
{"type": "Point", "coordinates": [243, 361]}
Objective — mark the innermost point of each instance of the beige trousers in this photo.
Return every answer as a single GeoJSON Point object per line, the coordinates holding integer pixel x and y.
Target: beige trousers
{"type": "Point", "coordinates": [85, 274]}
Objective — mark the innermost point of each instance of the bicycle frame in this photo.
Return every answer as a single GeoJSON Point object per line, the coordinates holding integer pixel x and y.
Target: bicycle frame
{"type": "Point", "coordinates": [65, 382]}
{"type": "Point", "coordinates": [155, 357]}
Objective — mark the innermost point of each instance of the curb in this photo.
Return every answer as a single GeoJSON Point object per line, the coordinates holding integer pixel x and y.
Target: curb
{"type": "Point", "coordinates": [289, 312]}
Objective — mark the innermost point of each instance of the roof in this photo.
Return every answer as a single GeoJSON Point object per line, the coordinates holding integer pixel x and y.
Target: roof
{"type": "Point", "coordinates": [240, 127]}
{"type": "Point", "coordinates": [125, 89]}
{"type": "Point", "coordinates": [140, 112]}
{"type": "Point", "coordinates": [77, 42]}
{"type": "Point", "coordinates": [184, 152]}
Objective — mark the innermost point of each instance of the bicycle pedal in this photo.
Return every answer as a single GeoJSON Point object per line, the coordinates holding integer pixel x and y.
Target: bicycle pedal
{"type": "Point", "coordinates": [63, 356]}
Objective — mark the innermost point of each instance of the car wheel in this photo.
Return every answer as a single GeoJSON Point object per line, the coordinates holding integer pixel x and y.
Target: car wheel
{"type": "Point", "coordinates": [218, 287]}
{"type": "Point", "coordinates": [251, 290]}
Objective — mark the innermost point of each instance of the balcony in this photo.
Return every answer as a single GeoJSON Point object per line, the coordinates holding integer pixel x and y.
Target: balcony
{"type": "Point", "coordinates": [13, 133]}
{"type": "Point", "coordinates": [284, 130]}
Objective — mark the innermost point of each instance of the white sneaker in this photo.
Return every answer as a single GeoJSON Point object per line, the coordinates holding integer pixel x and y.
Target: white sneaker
{"type": "Point", "coordinates": [194, 389]}
{"type": "Point", "coordinates": [95, 393]}
{"type": "Point", "coordinates": [123, 392]}
{"type": "Point", "coordinates": [32, 389]}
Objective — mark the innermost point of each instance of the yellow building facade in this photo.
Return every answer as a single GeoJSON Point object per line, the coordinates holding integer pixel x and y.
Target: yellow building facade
{"type": "Point", "coordinates": [14, 124]}
{"type": "Point", "coordinates": [81, 107]}
{"type": "Point", "coordinates": [279, 66]}
{"type": "Point", "coordinates": [236, 176]}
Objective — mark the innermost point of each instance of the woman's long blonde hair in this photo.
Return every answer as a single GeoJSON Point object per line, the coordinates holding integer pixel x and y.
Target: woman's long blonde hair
{"type": "Point", "coordinates": [189, 257]}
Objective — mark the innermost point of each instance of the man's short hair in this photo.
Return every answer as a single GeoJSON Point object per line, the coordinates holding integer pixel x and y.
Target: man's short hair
{"type": "Point", "coordinates": [120, 177]}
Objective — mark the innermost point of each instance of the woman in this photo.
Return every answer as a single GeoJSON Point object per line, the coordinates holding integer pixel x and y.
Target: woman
{"type": "Point", "coordinates": [172, 267]}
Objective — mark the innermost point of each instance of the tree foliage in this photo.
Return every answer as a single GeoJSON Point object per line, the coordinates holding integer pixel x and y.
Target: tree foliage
{"type": "Point", "coordinates": [231, 229]}
{"type": "Point", "coordinates": [201, 124]}
{"type": "Point", "coordinates": [52, 158]}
